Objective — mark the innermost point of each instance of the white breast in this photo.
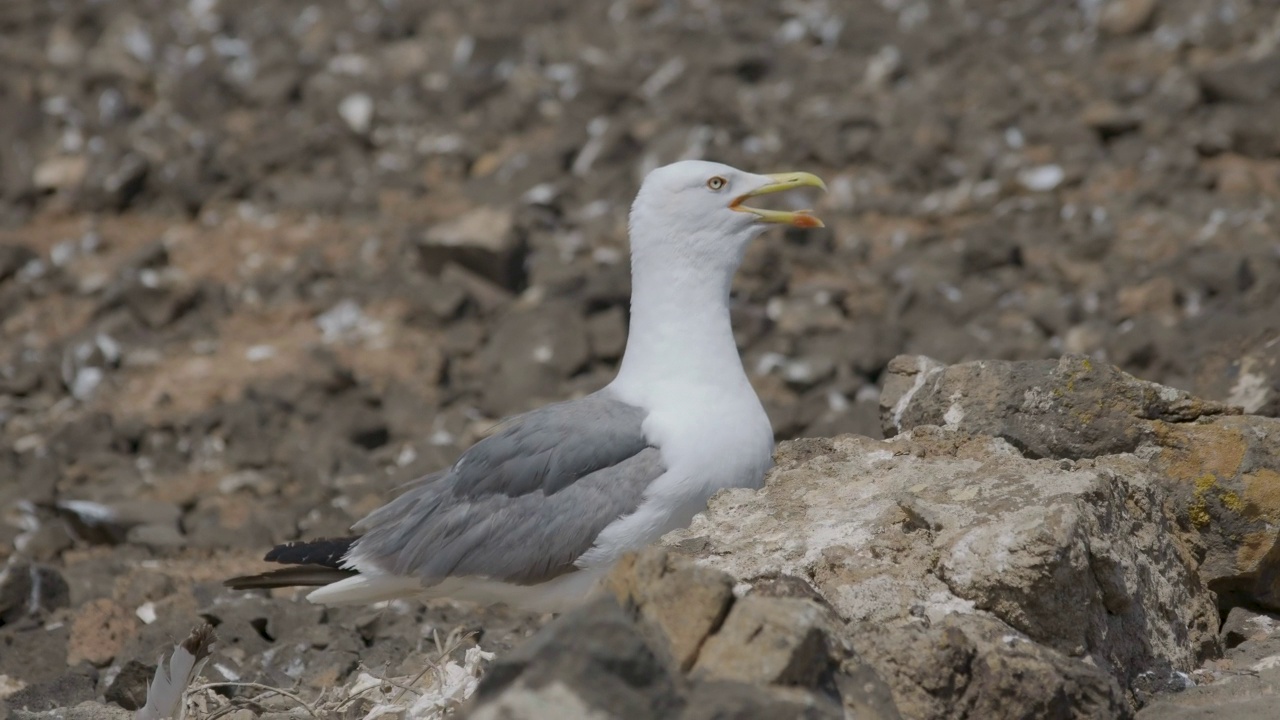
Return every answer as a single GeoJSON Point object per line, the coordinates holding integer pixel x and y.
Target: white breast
{"type": "Point", "coordinates": [710, 440]}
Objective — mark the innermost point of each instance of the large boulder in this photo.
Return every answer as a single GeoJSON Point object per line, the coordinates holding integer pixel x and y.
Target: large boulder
{"type": "Point", "coordinates": [960, 566]}
{"type": "Point", "coordinates": [1221, 469]}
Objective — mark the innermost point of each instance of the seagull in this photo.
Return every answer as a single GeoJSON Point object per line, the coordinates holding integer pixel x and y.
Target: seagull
{"type": "Point", "coordinates": [534, 515]}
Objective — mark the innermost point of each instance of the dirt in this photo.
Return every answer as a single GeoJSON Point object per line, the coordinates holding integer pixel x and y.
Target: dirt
{"type": "Point", "coordinates": [261, 263]}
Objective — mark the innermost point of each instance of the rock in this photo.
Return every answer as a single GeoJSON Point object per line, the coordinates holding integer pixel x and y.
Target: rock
{"type": "Point", "coordinates": [1218, 467]}
{"type": "Point", "coordinates": [98, 630]}
{"type": "Point", "coordinates": [597, 661]}
{"type": "Point", "coordinates": [87, 710]}
{"type": "Point", "coordinates": [724, 700]}
{"type": "Point", "coordinates": [770, 640]}
{"type": "Point", "coordinates": [1235, 703]}
{"type": "Point", "coordinates": [129, 687]}
{"type": "Point", "coordinates": [1246, 82]}
{"type": "Point", "coordinates": [61, 172]}
{"type": "Point", "coordinates": [114, 180]}
{"type": "Point", "coordinates": [1222, 477]}
{"type": "Point", "coordinates": [111, 523]}
{"type": "Point", "coordinates": [1093, 409]}
{"type": "Point", "coordinates": [1109, 119]}
{"type": "Point", "coordinates": [1041, 178]}
{"type": "Point", "coordinates": [607, 333]}
{"type": "Point", "coordinates": [529, 353]}
{"type": "Point", "coordinates": [551, 700]}
{"type": "Point", "coordinates": [33, 652]}
{"type": "Point", "coordinates": [356, 110]}
{"type": "Point", "coordinates": [1243, 624]}
{"type": "Point", "coordinates": [1126, 17]}
{"type": "Point", "coordinates": [488, 296]}
{"type": "Point", "coordinates": [152, 291]}
{"type": "Point", "coordinates": [686, 604]}
{"type": "Point", "coordinates": [64, 691]}
{"type": "Point", "coordinates": [13, 257]}
{"type": "Point", "coordinates": [1244, 372]}
{"type": "Point", "coordinates": [590, 663]}
{"type": "Point", "coordinates": [1079, 558]}
{"type": "Point", "coordinates": [972, 662]}
{"type": "Point", "coordinates": [439, 301]}
{"type": "Point", "coordinates": [484, 241]}
{"type": "Point", "coordinates": [31, 591]}
{"type": "Point", "coordinates": [1247, 687]}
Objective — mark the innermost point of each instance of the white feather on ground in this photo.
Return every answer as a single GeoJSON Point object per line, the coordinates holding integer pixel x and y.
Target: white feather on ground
{"type": "Point", "coordinates": [169, 686]}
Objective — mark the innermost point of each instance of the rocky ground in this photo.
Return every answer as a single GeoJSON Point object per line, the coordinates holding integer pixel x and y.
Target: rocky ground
{"type": "Point", "coordinates": [996, 558]}
{"type": "Point", "coordinates": [260, 263]}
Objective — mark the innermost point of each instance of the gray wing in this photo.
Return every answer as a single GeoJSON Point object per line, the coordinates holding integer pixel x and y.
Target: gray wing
{"type": "Point", "coordinates": [523, 504]}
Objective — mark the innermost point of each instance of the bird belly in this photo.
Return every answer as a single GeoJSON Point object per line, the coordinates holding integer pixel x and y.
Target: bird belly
{"type": "Point", "coordinates": [556, 595]}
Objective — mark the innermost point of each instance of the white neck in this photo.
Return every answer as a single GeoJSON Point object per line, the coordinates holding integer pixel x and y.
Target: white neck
{"type": "Point", "coordinates": [680, 334]}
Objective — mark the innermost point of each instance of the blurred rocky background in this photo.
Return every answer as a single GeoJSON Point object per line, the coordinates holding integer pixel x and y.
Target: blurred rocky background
{"type": "Point", "coordinates": [262, 262]}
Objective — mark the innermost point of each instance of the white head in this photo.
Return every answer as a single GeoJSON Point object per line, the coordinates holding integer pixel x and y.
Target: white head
{"type": "Point", "coordinates": [693, 212]}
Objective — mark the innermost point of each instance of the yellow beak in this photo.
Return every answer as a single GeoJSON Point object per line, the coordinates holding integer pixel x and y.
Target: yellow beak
{"type": "Point", "coordinates": [778, 183]}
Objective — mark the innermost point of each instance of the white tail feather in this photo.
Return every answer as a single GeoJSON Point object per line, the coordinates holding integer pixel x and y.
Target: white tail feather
{"type": "Point", "coordinates": [363, 589]}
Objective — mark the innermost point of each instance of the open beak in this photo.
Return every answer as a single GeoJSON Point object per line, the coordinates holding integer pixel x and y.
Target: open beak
{"type": "Point", "coordinates": [778, 183]}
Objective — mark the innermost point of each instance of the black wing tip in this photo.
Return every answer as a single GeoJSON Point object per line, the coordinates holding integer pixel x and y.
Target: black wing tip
{"type": "Point", "coordinates": [325, 552]}
{"type": "Point", "coordinates": [306, 576]}
{"type": "Point", "coordinates": [312, 563]}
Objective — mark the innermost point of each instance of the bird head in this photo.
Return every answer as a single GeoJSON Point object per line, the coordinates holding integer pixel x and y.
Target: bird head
{"type": "Point", "coordinates": [694, 201]}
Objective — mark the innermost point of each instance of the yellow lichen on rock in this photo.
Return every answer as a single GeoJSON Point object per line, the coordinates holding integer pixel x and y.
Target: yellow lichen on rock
{"type": "Point", "coordinates": [1254, 547]}
{"type": "Point", "coordinates": [1190, 452]}
{"type": "Point", "coordinates": [1262, 491]}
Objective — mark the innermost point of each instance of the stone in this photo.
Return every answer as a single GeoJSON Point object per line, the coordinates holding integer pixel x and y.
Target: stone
{"type": "Point", "coordinates": [1243, 685]}
{"type": "Point", "coordinates": [553, 700]}
{"type": "Point", "coordinates": [128, 688]}
{"type": "Point", "coordinates": [152, 291]}
{"type": "Point", "coordinates": [32, 652]}
{"type": "Point", "coordinates": [1109, 119]}
{"type": "Point", "coordinates": [1243, 624]}
{"type": "Point", "coordinates": [685, 603]}
{"type": "Point", "coordinates": [438, 300]}
{"type": "Point", "coordinates": [13, 257]}
{"type": "Point", "coordinates": [485, 241]}
{"type": "Point", "coordinates": [600, 661]}
{"type": "Point", "coordinates": [66, 690]}
{"type": "Point", "coordinates": [487, 295]}
{"type": "Point", "coordinates": [110, 523]}
{"type": "Point", "coordinates": [591, 663]}
{"type": "Point", "coordinates": [1080, 558]}
{"type": "Point", "coordinates": [1093, 408]}
{"type": "Point", "coordinates": [1245, 81]}
{"type": "Point", "coordinates": [725, 700]}
{"type": "Point", "coordinates": [1126, 17]}
{"type": "Point", "coordinates": [969, 665]}
{"type": "Point", "coordinates": [61, 172]}
{"type": "Point", "coordinates": [1217, 467]}
{"type": "Point", "coordinates": [87, 710]}
{"type": "Point", "coordinates": [1254, 704]}
{"type": "Point", "coordinates": [356, 110]}
{"type": "Point", "coordinates": [607, 333]}
{"type": "Point", "coordinates": [30, 590]}
{"type": "Point", "coordinates": [529, 353]}
{"type": "Point", "coordinates": [98, 630]}
{"type": "Point", "coordinates": [1244, 372]}
{"type": "Point", "coordinates": [770, 640]}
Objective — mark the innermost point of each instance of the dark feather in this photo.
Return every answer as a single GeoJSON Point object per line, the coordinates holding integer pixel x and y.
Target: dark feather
{"type": "Point", "coordinates": [326, 552]}
{"type": "Point", "coordinates": [318, 562]}
{"type": "Point", "coordinates": [302, 576]}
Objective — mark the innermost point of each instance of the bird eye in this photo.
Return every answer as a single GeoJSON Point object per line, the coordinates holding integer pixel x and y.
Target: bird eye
{"type": "Point", "coordinates": [717, 182]}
